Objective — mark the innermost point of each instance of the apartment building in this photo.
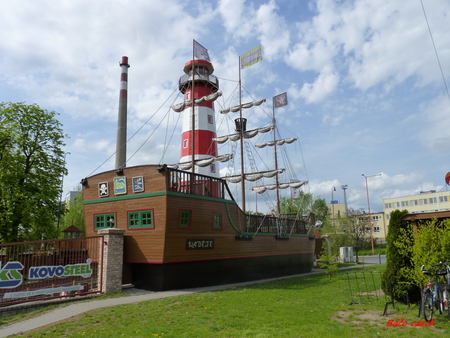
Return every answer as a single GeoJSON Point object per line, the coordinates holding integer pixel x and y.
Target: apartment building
{"type": "Point", "coordinates": [425, 201]}
{"type": "Point", "coordinates": [379, 225]}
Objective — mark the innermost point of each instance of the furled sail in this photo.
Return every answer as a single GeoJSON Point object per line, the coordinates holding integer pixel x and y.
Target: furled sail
{"type": "Point", "coordinates": [179, 107]}
{"type": "Point", "coordinates": [253, 176]}
{"type": "Point", "coordinates": [263, 188]}
{"type": "Point", "coordinates": [201, 162]}
{"type": "Point", "coordinates": [245, 105]}
{"type": "Point", "coordinates": [237, 136]}
{"type": "Point", "coordinates": [277, 142]}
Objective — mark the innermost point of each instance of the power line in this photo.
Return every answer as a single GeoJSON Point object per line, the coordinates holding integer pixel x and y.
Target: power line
{"type": "Point", "coordinates": [435, 50]}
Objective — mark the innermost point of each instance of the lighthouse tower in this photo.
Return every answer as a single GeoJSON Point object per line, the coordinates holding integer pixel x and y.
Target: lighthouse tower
{"type": "Point", "coordinates": [205, 125]}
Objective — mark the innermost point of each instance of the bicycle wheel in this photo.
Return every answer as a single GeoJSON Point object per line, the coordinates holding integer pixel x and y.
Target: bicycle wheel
{"type": "Point", "coordinates": [427, 305]}
{"type": "Point", "coordinates": [438, 301]}
{"type": "Point", "coordinates": [446, 304]}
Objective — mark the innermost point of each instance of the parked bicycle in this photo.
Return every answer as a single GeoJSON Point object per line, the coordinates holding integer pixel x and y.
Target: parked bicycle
{"type": "Point", "coordinates": [437, 292]}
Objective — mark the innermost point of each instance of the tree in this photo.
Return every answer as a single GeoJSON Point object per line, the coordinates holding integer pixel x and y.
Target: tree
{"type": "Point", "coordinates": [75, 212]}
{"type": "Point", "coordinates": [398, 258]}
{"type": "Point", "coordinates": [351, 230]}
{"type": "Point", "coordinates": [31, 166]}
{"type": "Point", "coordinates": [427, 245]}
{"type": "Point", "coordinates": [304, 204]}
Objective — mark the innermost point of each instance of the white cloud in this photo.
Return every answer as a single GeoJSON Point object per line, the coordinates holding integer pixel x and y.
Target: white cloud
{"type": "Point", "coordinates": [325, 84]}
{"type": "Point", "coordinates": [364, 87]}
{"type": "Point", "coordinates": [436, 115]}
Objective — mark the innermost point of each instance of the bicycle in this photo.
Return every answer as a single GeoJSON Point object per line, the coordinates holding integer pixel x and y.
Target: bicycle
{"type": "Point", "coordinates": [438, 295]}
{"type": "Point", "coordinates": [445, 290]}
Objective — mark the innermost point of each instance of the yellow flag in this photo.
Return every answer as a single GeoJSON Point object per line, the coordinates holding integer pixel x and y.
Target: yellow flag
{"type": "Point", "coordinates": [250, 58]}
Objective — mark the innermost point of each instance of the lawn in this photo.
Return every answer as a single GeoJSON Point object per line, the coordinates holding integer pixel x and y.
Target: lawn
{"type": "Point", "coordinates": [309, 306]}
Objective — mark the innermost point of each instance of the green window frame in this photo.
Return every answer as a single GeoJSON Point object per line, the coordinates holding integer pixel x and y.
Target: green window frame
{"type": "Point", "coordinates": [217, 220]}
{"type": "Point", "coordinates": [104, 221]}
{"type": "Point", "coordinates": [185, 218]}
{"type": "Point", "coordinates": [141, 219]}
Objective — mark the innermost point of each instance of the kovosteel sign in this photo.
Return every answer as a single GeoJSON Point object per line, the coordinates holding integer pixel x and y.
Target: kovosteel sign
{"type": "Point", "coordinates": [11, 277]}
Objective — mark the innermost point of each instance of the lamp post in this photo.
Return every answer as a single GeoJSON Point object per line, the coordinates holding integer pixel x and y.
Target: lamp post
{"type": "Point", "coordinates": [332, 205]}
{"type": "Point", "coordinates": [368, 206]}
{"type": "Point", "coordinates": [62, 188]}
{"type": "Point", "coordinates": [344, 187]}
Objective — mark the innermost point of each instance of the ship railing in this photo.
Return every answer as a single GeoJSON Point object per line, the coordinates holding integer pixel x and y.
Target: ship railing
{"type": "Point", "coordinates": [272, 225]}
{"type": "Point", "coordinates": [196, 184]}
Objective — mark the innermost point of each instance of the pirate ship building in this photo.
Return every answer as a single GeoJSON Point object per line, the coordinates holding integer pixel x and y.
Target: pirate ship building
{"type": "Point", "coordinates": [183, 228]}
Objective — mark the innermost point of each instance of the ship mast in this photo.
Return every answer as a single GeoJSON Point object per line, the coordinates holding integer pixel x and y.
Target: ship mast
{"type": "Point", "coordinates": [276, 158]}
{"type": "Point", "coordinates": [241, 130]}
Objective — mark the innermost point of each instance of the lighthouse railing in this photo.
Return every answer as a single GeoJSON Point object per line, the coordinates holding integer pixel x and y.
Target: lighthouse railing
{"type": "Point", "coordinates": [188, 78]}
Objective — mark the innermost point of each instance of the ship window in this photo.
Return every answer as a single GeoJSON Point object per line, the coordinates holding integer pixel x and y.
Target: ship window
{"type": "Point", "coordinates": [104, 221]}
{"type": "Point", "coordinates": [140, 219]}
{"type": "Point", "coordinates": [217, 220]}
{"type": "Point", "coordinates": [185, 218]}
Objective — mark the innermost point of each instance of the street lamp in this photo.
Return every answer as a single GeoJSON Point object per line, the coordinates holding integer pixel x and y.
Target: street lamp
{"type": "Point", "coordinates": [332, 205]}
{"type": "Point", "coordinates": [344, 187]}
{"type": "Point", "coordinates": [62, 188]}
{"type": "Point", "coordinates": [368, 206]}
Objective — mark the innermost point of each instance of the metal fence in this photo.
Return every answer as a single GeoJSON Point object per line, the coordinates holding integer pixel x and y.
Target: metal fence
{"type": "Point", "coordinates": [362, 287]}
{"type": "Point", "coordinates": [50, 269]}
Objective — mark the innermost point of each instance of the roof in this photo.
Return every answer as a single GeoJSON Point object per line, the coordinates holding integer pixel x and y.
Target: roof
{"type": "Point", "coordinates": [72, 228]}
{"type": "Point", "coordinates": [427, 215]}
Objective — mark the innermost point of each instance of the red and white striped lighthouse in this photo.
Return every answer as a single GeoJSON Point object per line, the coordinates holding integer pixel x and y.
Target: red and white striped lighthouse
{"type": "Point", "coordinates": [204, 85]}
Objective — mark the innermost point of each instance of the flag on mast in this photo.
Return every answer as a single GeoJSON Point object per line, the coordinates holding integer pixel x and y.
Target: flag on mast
{"type": "Point", "coordinates": [200, 52]}
{"type": "Point", "coordinates": [280, 100]}
{"type": "Point", "coordinates": [251, 57]}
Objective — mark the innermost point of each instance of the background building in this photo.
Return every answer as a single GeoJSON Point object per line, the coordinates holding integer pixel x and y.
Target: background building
{"type": "Point", "coordinates": [379, 224]}
{"type": "Point", "coordinates": [425, 201]}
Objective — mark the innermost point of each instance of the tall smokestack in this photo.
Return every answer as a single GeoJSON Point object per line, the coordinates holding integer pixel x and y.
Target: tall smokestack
{"type": "Point", "coordinates": [121, 145]}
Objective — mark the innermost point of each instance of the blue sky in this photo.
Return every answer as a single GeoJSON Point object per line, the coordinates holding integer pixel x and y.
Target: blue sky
{"type": "Point", "coordinates": [366, 94]}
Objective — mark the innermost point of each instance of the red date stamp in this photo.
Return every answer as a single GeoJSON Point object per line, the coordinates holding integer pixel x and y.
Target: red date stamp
{"type": "Point", "coordinates": [416, 323]}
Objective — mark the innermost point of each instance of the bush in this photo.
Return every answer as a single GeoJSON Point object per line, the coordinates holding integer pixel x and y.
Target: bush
{"type": "Point", "coordinates": [398, 261]}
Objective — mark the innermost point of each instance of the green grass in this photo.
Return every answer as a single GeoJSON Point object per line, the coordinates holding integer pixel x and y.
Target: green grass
{"type": "Point", "coordinates": [309, 306]}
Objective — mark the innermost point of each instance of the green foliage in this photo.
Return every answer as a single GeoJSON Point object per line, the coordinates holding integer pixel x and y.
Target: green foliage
{"type": "Point", "coordinates": [327, 263]}
{"type": "Point", "coordinates": [339, 240]}
{"type": "Point", "coordinates": [75, 212]}
{"type": "Point", "coordinates": [399, 265]}
{"type": "Point", "coordinates": [304, 204]}
{"type": "Point", "coordinates": [430, 245]}
{"type": "Point", "coordinates": [349, 231]}
{"type": "Point", "coordinates": [31, 166]}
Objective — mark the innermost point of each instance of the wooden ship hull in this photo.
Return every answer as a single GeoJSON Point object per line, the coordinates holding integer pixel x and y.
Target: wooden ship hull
{"type": "Point", "coordinates": [185, 230]}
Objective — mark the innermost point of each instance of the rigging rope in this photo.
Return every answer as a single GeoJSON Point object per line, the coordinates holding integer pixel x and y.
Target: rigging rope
{"type": "Point", "coordinates": [137, 131]}
{"type": "Point", "coordinates": [435, 50]}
